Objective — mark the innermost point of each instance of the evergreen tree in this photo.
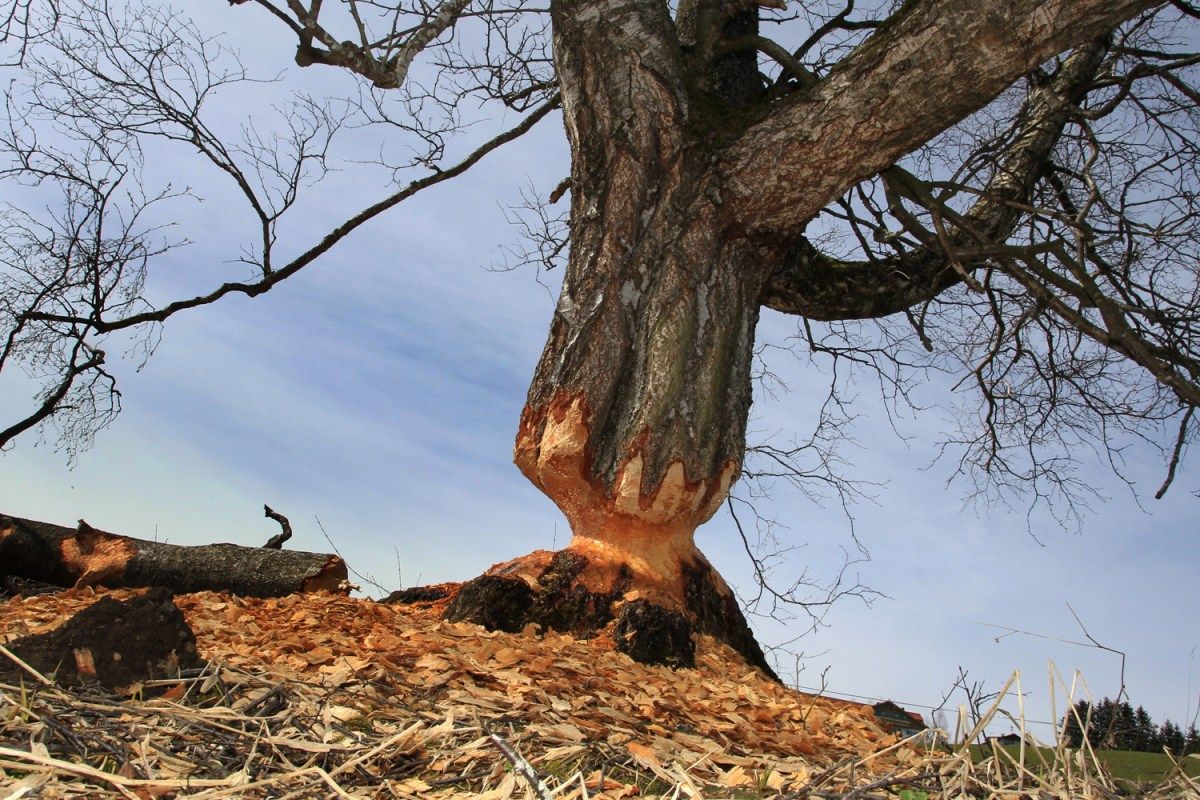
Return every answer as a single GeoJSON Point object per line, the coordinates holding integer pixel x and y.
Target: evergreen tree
{"type": "Point", "coordinates": [1100, 731]}
{"type": "Point", "coordinates": [1191, 744]}
{"type": "Point", "coordinates": [1145, 738]}
{"type": "Point", "coordinates": [1172, 737]}
{"type": "Point", "coordinates": [1112, 725]}
{"type": "Point", "coordinates": [1125, 727]}
{"type": "Point", "coordinates": [1073, 724]}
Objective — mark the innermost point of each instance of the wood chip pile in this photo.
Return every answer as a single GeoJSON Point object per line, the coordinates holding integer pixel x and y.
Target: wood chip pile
{"type": "Point", "coordinates": [327, 696]}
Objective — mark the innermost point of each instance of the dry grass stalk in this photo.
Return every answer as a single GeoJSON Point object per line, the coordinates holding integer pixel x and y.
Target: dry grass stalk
{"type": "Point", "coordinates": [323, 697]}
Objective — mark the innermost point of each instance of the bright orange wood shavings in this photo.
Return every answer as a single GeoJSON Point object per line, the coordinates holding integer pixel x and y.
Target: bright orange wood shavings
{"type": "Point", "coordinates": [721, 719]}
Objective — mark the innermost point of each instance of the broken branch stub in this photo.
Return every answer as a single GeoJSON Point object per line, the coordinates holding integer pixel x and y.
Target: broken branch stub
{"type": "Point", "coordinates": [276, 541]}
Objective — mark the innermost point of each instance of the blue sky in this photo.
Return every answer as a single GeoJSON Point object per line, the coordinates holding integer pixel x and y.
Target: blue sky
{"type": "Point", "coordinates": [379, 391]}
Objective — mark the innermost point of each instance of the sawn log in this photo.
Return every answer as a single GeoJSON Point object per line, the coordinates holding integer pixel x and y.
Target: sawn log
{"type": "Point", "coordinates": [85, 556]}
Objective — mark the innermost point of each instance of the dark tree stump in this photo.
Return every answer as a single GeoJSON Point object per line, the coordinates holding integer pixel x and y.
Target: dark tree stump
{"type": "Point", "coordinates": [646, 631]}
{"type": "Point", "coordinates": [496, 603]}
{"type": "Point", "coordinates": [418, 595]}
{"type": "Point", "coordinates": [112, 643]}
{"type": "Point", "coordinates": [654, 635]}
{"type": "Point", "coordinates": [85, 556]}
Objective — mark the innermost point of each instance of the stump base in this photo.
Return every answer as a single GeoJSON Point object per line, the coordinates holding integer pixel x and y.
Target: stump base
{"type": "Point", "coordinates": [558, 591]}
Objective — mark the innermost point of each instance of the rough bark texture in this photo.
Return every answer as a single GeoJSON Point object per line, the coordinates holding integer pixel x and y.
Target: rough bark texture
{"type": "Point", "coordinates": [85, 556]}
{"type": "Point", "coordinates": [418, 595]}
{"type": "Point", "coordinates": [690, 193]}
{"type": "Point", "coordinates": [932, 64]}
{"type": "Point", "coordinates": [113, 643]}
{"type": "Point", "coordinates": [556, 597]}
{"type": "Point", "coordinates": [809, 283]}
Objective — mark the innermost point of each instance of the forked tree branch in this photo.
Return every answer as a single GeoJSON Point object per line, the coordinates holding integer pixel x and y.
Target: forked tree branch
{"type": "Point", "coordinates": [814, 285]}
{"type": "Point", "coordinates": [926, 68]}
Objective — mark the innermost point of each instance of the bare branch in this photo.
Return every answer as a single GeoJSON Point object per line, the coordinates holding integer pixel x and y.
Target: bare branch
{"type": "Point", "coordinates": [276, 541]}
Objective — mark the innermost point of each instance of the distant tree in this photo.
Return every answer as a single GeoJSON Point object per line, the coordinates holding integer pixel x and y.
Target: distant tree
{"type": "Point", "coordinates": [1192, 743]}
{"type": "Point", "coordinates": [1124, 726]}
{"type": "Point", "coordinates": [1101, 729]}
{"type": "Point", "coordinates": [1115, 725]}
{"type": "Point", "coordinates": [1171, 737]}
{"type": "Point", "coordinates": [1146, 736]}
{"type": "Point", "coordinates": [1075, 724]}
{"type": "Point", "coordinates": [1003, 190]}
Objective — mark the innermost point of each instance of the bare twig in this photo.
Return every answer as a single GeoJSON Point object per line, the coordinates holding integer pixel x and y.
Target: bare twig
{"type": "Point", "coordinates": [1180, 441]}
{"type": "Point", "coordinates": [522, 767]}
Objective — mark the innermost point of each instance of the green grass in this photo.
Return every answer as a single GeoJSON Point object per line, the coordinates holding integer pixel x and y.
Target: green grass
{"type": "Point", "coordinates": [1122, 764]}
{"type": "Point", "coordinates": [1144, 766]}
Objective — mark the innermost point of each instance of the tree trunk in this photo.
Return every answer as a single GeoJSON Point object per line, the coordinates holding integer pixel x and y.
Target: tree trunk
{"type": "Point", "coordinates": [635, 427]}
{"type": "Point", "coordinates": [85, 556]}
{"type": "Point", "coordinates": [690, 191]}
{"type": "Point", "coordinates": [635, 420]}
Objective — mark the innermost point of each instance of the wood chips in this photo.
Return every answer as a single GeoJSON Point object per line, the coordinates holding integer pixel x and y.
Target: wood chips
{"type": "Point", "coordinates": [322, 695]}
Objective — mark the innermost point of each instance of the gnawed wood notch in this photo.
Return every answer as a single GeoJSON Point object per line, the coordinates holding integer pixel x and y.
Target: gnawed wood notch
{"type": "Point", "coordinates": [85, 556]}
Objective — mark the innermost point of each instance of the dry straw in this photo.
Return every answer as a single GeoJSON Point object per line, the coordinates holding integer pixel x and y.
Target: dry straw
{"type": "Point", "coordinates": [443, 719]}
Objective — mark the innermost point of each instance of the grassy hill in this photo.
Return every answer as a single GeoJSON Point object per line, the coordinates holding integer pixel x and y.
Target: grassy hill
{"type": "Point", "coordinates": [1122, 764]}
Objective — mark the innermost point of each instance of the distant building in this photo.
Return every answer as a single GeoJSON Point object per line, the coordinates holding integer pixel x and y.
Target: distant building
{"type": "Point", "coordinates": [1012, 739]}
{"type": "Point", "coordinates": [898, 720]}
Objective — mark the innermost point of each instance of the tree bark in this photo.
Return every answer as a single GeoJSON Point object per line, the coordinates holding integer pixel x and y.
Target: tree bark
{"type": "Point", "coordinates": [688, 199]}
{"type": "Point", "coordinates": [933, 63]}
{"type": "Point", "coordinates": [811, 284]}
{"type": "Point", "coordinates": [85, 556]}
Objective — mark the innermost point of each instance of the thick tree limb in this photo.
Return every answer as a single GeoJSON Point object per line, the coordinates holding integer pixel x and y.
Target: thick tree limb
{"type": "Point", "coordinates": [814, 285]}
{"type": "Point", "coordinates": [85, 556]}
{"type": "Point", "coordinates": [929, 66]}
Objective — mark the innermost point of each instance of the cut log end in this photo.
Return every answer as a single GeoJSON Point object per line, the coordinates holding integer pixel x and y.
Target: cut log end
{"type": "Point", "coordinates": [333, 577]}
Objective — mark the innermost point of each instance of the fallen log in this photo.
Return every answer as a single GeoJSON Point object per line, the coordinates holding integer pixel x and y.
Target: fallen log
{"type": "Point", "coordinates": [85, 556]}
